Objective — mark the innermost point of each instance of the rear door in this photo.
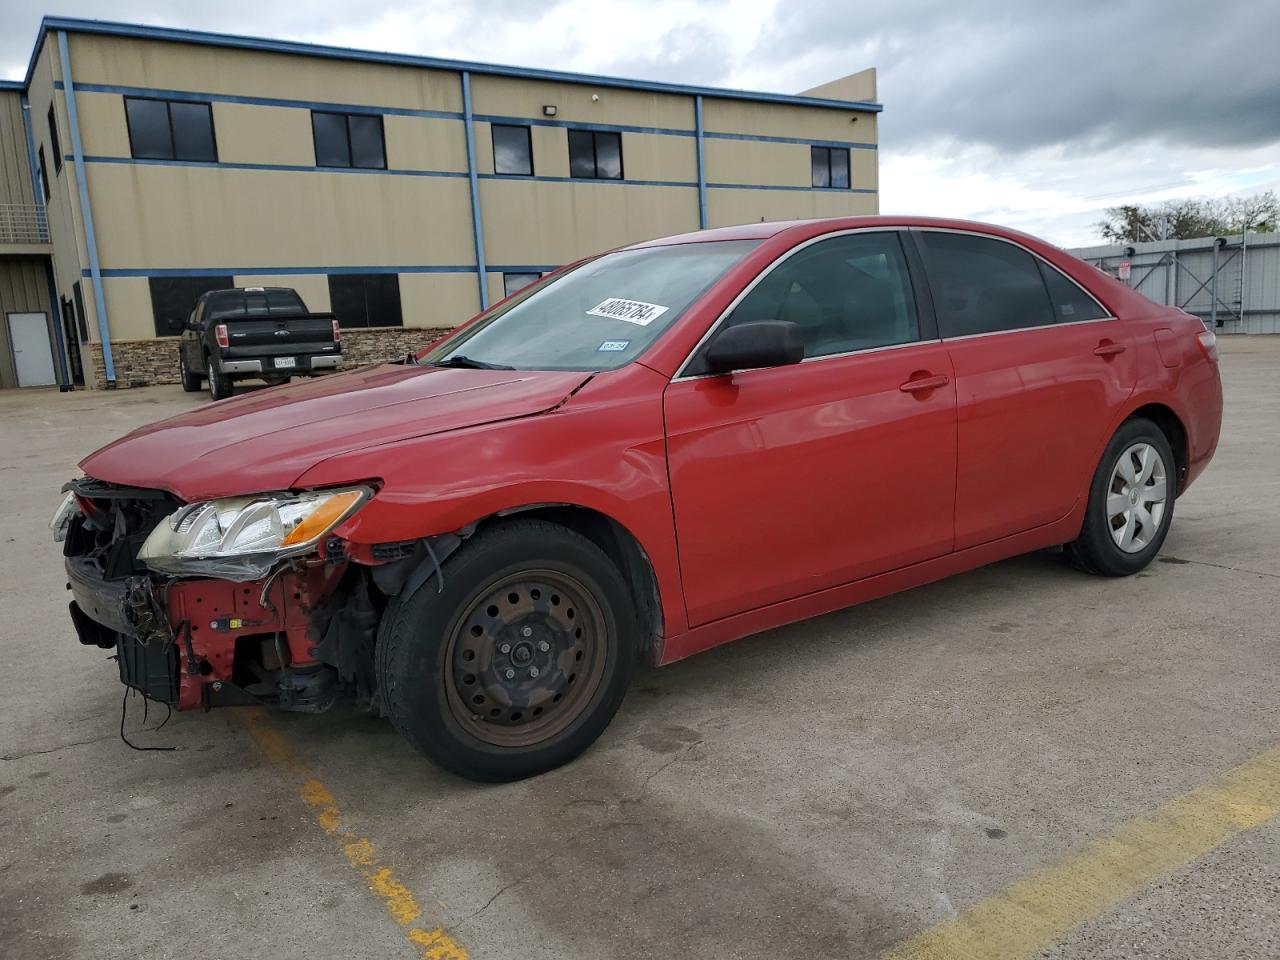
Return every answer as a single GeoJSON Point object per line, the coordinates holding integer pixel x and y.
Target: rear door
{"type": "Point", "coordinates": [1040, 368]}
{"type": "Point", "coordinates": [789, 480]}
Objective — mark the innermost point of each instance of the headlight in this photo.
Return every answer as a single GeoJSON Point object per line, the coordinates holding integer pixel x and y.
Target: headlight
{"type": "Point", "coordinates": [61, 518]}
{"type": "Point", "coordinates": [242, 538]}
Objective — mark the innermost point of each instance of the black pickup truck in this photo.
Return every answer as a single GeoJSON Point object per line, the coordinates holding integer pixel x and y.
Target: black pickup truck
{"type": "Point", "coordinates": [262, 332]}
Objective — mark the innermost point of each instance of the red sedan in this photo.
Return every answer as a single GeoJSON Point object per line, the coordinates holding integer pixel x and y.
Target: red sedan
{"type": "Point", "coordinates": [644, 455]}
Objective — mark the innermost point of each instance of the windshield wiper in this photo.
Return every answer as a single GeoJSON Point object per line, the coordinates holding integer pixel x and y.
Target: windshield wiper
{"type": "Point", "coordinates": [458, 360]}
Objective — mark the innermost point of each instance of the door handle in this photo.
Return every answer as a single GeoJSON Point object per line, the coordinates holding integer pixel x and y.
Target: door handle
{"type": "Point", "coordinates": [924, 383]}
{"type": "Point", "coordinates": [1108, 348]}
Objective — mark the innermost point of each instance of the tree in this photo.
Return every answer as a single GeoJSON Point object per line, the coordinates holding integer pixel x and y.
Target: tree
{"type": "Point", "coordinates": [1190, 218]}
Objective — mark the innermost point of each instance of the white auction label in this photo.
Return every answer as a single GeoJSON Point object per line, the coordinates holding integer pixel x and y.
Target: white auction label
{"type": "Point", "coordinates": [632, 311]}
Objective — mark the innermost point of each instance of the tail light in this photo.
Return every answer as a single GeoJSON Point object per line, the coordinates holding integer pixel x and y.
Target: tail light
{"type": "Point", "coordinates": [1209, 344]}
{"type": "Point", "coordinates": [220, 332]}
{"type": "Point", "coordinates": [337, 332]}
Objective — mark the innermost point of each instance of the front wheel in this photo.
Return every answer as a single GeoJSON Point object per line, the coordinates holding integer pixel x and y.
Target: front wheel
{"type": "Point", "coordinates": [1130, 502]}
{"type": "Point", "coordinates": [518, 661]}
{"type": "Point", "coordinates": [219, 383]}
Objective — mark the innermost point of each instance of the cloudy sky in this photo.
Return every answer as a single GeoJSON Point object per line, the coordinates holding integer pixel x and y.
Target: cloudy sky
{"type": "Point", "coordinates": [1034, 115]}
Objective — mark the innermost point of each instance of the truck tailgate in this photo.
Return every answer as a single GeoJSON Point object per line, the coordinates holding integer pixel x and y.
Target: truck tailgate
{"type": "Point", "coordinates": [269, 336]}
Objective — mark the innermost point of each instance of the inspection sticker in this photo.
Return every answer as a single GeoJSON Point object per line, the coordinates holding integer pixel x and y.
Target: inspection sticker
{"type": "Point", "coordinates": [613, 346]}
{"type": "Point", "coordinates": [632, 311]}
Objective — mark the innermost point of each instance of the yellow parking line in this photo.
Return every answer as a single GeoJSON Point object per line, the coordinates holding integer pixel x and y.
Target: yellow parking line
{"type": "Point", "coordinates": [1037, 910]}
{"type": "Point", "coordinates": [431, 943]}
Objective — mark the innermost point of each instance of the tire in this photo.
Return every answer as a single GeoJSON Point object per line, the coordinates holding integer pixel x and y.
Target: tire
{"type": "Point", "coordinates": [219, 383]}
{"type": "Point", "coordinates": [1144, 521]}
{"type": "Point", "coordinates": [277, 381]}
{"type": "Point", "coordinates": [190, 381]}
{"type": "Point", "coordinates": [527, 596]}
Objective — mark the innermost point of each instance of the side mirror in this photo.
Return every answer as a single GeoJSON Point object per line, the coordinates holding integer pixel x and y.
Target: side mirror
{"type": "Point", "coordinates": [749, 346]}
{"type": "Point", "coordinates": [177, 324]}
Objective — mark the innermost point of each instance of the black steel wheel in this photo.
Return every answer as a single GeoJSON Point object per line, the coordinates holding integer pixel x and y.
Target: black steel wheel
{"type": "Point", "coordinates": [519, 663]}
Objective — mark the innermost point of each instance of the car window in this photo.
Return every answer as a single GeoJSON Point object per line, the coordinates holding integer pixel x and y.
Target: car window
{"type": "Point", "coordinates": [597, 316]}
{"type": "Point", "coordinates": [1070, 303]}
{"type": "Point", "coordinates": [846, 293]}
{"type": "Point", "coordinates": [984, 285]}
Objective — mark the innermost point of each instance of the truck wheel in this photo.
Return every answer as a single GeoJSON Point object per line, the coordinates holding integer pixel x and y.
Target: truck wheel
{"type": "Point", "coordinates": [1130, 503]}
{"type": "Point", "coordinates": [219, 384]}
{"type": "Point", "coordinates": [518, 661]}
{"type": "Point", "coordinates": [190, 381]}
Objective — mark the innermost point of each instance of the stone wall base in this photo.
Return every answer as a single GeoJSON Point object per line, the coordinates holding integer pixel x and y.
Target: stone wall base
{"type": "Point", "coordinates": [143, 363]}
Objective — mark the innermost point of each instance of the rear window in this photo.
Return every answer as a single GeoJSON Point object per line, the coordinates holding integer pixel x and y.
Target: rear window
{"type": "Point", "coordinates": [231, 304]}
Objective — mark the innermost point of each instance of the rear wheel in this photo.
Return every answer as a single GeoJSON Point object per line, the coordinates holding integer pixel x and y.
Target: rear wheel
{"type": "Point", "coordinates": [190, 381]}
{"type": "Point", "coordinates": [519, 663]}
{"type": "Point", "coordinates": [1130, 502]}
{"type": "Point", "coordinates": [219, 383]}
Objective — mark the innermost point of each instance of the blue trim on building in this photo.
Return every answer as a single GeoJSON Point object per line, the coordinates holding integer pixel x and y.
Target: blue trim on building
{"type": "Point", "coordinates": [702, 162]}
{"type": "Point", "coordinates": [13, 85]}
{"type": "Point", "coordinates": [477, 222]}
{"type": "Point", "coordinates": [234, 41]}
{"type": "Point", "coordinates": [449, 174]}
{"type": "Point", "coordinates": [755, 138]}
{"type": "Point", "coordinates": [763, 186]}
{"type": "Point", "coordinates": [86, 211]}
{"type": "Point", "coordinates": [195, 96]}
{"type": "Point", "coordinates": [117, 273]}
{"type": "Point", "coordinates": [280, 167]}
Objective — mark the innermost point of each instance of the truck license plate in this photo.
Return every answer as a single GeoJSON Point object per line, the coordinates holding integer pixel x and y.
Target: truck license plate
{"type": "Point", "coordinates": [286, 363]}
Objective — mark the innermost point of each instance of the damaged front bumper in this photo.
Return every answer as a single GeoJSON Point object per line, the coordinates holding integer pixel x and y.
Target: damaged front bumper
{"type": "Point", "coordinates": [297, 638]}
{"type": "Point", "coordinates": [207, 643]}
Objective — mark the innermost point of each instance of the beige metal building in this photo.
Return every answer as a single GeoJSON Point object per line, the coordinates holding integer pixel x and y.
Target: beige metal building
{"type": "Point", "coordinates": [404, 193]}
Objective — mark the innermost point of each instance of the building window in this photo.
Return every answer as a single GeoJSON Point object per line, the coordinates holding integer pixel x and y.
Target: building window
{"type": "Point", "coordinates": [512, 150]}
{"type": "Point", "coordinates": [349, 140]}
{"type": "Point", "coordinates": [54, 143]}
{"type": "Point", "coordinates": [595, 154]}
{"type": "Point", "coordinates": [173, 298]}
{"type": "Point", "coordinates": [830, 166]}
{"type": "Point", "coordinates": [170, 130]}
{"type": "Point", "coordinates": [44, 177]}
{"type": "Point", "coordinates": [515, 282]}
{"type": "Point", "coordinates": [365, 299]}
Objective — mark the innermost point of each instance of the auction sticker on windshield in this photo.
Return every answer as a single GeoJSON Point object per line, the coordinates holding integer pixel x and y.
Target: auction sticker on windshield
{"type": "Point", "coordinates": [632, 311]}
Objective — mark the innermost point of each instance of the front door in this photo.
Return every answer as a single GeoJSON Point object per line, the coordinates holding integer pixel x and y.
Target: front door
{"type": "Point", "coordinates": [32, 350]}
{"type": "Point", "coordinates": [790, 480]}
{"type": "Point", "coordinates": [1040, 370]}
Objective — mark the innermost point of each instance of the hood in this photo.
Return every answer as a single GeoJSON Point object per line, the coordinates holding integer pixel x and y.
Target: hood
{"type": "Point", "coordinates": [267, 439]}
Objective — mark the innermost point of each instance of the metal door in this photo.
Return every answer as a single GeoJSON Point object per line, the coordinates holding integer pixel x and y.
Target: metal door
{"type": "Point", "coordinates": [32, 352]}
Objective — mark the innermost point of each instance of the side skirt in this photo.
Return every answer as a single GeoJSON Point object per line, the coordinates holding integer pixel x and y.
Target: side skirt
{"type": "Point", "coordinates": [870, 588]}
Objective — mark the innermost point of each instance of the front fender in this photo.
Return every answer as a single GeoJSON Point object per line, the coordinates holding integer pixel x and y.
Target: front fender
{"type": "Point", "coordinates": [604, 450]}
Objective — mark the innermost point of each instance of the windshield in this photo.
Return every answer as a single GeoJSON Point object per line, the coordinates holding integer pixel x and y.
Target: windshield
{"type": "Point", "coordinates": [599, 315]}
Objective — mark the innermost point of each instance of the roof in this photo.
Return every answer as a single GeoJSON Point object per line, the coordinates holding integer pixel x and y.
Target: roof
{"type": "Point", "coordinates": [238, 42]}
{"type": "Point", "coordinates": [766, 230]}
